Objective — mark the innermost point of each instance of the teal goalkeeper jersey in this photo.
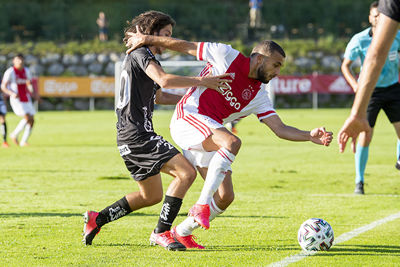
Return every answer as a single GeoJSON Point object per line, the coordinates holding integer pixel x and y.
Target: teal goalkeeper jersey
{"type": "Point", "coordinates": [358, 47]}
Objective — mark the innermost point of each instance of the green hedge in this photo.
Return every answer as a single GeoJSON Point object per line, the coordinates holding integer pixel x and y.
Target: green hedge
{"type": "Point", "coordinates": [66, 20]}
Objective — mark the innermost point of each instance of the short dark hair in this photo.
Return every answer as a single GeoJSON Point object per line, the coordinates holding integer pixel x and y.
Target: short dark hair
{"type": "Point", "coordinates": [21, 56]}
{"type": "Point", "coordinates": [374, 4]}
{"type": "Point", "coordinates": [149, 23]}
{"type": "Point", "coordinates": [267, 48]}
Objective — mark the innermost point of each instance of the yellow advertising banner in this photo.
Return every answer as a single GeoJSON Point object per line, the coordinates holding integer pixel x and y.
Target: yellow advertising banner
{"type": "Point", "coordinates": [76, 86]}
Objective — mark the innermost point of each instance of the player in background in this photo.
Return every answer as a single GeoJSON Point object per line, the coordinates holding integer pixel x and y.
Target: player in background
{"type": "Point", "coordinates": [386, 95]}
{"type": "Point", "coordinates": [197, 124]}
{"type": "Point", "coordinates": [3, 124]}
{"type": "Point", "coordinates": [17, 84]}
{"type": "Point", "coordinates": [384, 35]}
{"type": "Point", "coordinates": [145, 153]}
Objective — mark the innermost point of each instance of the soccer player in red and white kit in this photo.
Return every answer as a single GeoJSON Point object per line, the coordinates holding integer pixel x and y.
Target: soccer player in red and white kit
{"type": "Point", "coordinates": [197, 124]}
{"type": "Point", "coordinates": [17, 84]}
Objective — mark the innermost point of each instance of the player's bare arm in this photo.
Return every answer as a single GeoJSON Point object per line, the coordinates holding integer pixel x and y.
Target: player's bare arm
{"type": "Point", "coordinates": [171, 81]}
{"type": "Point", "coordinates": [163, 98]}
{"type": "Point", "coordinates": [7, 91]}
{"type": "Point", "coordinates": [139, 39]}
{"type": "Point", "coordinates": [348, 75]}
{"type": "Point", "coordinates": [318, 135]}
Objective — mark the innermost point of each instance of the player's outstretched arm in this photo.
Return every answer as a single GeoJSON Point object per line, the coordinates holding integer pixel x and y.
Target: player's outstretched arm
{"type": "Point", "coordinates": [171, 81]}
{"type": "Point", "coordinates": [138, 39]}
{"type": "Point", "coordinates": [318, 135]}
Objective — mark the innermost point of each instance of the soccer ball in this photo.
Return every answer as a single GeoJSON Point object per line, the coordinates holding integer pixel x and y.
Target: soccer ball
{"type": "Point", "coordinates": [315, 234]}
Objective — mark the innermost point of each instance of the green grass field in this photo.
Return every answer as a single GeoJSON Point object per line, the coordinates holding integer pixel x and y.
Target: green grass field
{"type": "Point", "coordinates": [73, 165]}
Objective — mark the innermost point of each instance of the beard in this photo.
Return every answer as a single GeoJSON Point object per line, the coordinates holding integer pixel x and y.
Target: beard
{"type": "Point", "coordinates": [262, 75]}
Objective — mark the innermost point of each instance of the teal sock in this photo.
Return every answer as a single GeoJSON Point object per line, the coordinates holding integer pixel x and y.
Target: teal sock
{"type": "Point", "coordinates": [361, 158]}
{"type": "Point", "coordinates": [398, 149]}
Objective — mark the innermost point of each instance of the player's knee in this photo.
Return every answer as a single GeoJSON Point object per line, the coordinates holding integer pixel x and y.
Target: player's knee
{"type": "Point", "coordinates": [187, 176]}
{"type": "Point", "coordinates": [234, 144]}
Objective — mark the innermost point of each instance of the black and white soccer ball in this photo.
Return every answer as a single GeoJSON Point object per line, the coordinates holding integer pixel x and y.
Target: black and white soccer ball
{"type": "Point", "coordinates": [315, 234]}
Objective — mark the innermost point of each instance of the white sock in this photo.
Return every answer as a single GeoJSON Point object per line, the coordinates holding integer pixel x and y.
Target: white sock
{"type": "Point", "coordinates": [187, 227]}
{"type": "Point", "coordinates": [219, 165]}
{"type": "Point", "coordinates": [19, 128]}
{"type": "Point", "coordinates": [214, 210]}
{"type": "Point", "coordinates": [27, 133]}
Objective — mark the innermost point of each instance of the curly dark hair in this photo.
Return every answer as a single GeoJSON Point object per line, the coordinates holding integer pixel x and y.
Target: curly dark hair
{"type": "Point", "coordinates": [149, 22]}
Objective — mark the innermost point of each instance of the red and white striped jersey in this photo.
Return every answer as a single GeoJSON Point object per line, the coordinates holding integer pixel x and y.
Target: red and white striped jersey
{"type": "Point", "coordinates": [244, 96]}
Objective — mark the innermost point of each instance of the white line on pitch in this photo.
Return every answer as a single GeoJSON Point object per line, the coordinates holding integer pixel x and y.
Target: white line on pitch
{"type": "Point", "coordinates": [342, 238]}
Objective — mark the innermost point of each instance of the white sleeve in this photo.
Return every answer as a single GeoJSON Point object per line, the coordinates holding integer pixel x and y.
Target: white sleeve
{"type": "Point", "coordinates": [219, 55]}
{"type": "Point", "coordinates": [9, 80]}
{"type": "Point", "coordinates": [7, 75]}
{"type": "Point", "coordinates": [28, 74]}
{"type": "Point", "coordinates": [263, 106]}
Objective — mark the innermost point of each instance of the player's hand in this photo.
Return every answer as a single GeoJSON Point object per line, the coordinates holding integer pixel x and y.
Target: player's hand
{"type": "Point", "coordinates": [217, 83]}
{"type": "Point", "coordinates": [351, 128]}
{"type": "Point", "coordinates": [321, 137]}
{"type": "Point", "coordinates": [136, 40]}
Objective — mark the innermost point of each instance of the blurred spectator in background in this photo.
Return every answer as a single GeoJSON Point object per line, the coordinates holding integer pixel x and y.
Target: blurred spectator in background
{"type": "Point", "coordinates": [17, 84]}
{"type": "Point", "coordinates": [3, 125]}
{"type": "Point", "coordinates": [255, 13]}
{"type": "Point", "coordinates": [386, 95]}
{"type": "Point", "coordinates": [103, 26]}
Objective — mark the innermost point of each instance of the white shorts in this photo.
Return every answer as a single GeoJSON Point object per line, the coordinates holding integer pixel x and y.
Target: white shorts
{"type": "Point", "coordinates": [191, 130]}
{"type": "Point", "coordinates": [189, 133]}
{"type": "Point", "coordinates": [22, 108]}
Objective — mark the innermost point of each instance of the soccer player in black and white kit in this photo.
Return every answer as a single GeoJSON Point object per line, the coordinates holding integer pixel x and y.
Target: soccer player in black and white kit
{"type": "Point", "coordinates": [145, 153]}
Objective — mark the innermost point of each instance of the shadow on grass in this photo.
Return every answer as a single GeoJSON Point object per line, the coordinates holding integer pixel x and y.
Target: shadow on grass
{"type": "Point", "coordinates": [113, 178]}
{"type": "Point", "coordinates": [44, 171]}
{"type": "Point", "coordinates": [212, 248]}
{"type": "Point", "coordinates": [342, 250]}
{"type": "Point", "coordinates": [252, 248]}
{"type": "Point", "coordinates": [139, 214]}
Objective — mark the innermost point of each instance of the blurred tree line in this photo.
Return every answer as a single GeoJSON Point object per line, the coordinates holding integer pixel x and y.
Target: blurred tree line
{"type": "Point", "coordinates": [66, 20]}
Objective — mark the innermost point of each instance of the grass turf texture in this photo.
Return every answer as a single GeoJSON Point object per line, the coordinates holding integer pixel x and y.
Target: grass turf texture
{"type": "Point", "coordinates": [73, 165]}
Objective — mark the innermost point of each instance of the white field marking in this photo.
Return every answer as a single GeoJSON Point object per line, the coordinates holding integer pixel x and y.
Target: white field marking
{"type": "Point", "coordinates": [342, 238]}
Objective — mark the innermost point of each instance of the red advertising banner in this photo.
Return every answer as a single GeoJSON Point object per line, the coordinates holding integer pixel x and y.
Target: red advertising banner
{"type": "Point", "coordinates": [325, 84]}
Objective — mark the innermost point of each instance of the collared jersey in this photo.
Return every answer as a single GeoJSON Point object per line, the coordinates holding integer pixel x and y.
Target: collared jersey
{"type": "Point", "coordinates": [244, 96]}
{"type": "Point", "coordinates": [358, 47]}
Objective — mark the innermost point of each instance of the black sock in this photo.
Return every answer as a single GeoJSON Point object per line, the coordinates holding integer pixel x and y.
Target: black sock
{"type": "Point", "coordinates": [4, 131]}
{"type": "Point", "coordinates": [115, 211]}
{"type": "Point", "coordinates": [169, 211]}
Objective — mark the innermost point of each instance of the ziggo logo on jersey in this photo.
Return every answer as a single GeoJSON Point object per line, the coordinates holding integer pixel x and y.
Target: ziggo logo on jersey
{"type": "Point", "coordinates": [227, 92]}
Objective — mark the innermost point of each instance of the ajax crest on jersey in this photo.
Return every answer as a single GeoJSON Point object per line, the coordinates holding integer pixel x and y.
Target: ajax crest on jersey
{"type": "Point", "coordinates": [315, 234]}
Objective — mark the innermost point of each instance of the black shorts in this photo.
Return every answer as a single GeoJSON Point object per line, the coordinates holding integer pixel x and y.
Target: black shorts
{"type": "Point", "coordinates": [145, 156]}
{"type": "Point", "coordinates": [386, 98]}
{"type": "Point", "coordinates": [3, 107]}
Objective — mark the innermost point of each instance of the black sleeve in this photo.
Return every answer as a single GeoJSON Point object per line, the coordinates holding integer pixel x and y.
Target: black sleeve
{"type": "Point", "coordinates": [390, 8]}
{"type": "Point", "coordinates": [142, 57]}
